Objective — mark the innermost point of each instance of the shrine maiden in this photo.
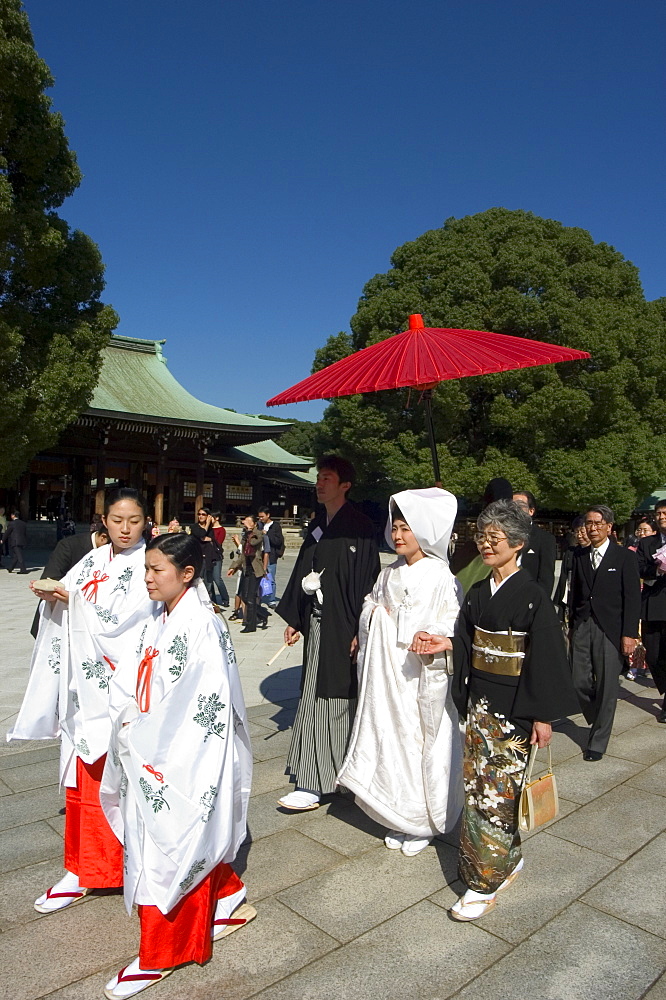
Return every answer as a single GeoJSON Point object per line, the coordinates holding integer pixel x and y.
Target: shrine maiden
{"type": "Point", "coordinates": [404, 761]}
{"type": "Point", "coordinates": [85, 626]}
{"type": "Point", "coordinates": [177, 779]}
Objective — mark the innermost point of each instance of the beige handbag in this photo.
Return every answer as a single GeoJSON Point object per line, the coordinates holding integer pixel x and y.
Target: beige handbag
{"type": "Point", "coordinates": [538, 800]}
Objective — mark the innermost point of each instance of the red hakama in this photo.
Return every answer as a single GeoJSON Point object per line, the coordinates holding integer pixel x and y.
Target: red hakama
{"type": "Point", "coordinates": [92, 850]}
{"type": "Point", "coordinates": [184, 934]}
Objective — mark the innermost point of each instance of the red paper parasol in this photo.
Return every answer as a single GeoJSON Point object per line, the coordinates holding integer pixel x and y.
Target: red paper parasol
{"type": "Point", "coordinates": [421, 357]}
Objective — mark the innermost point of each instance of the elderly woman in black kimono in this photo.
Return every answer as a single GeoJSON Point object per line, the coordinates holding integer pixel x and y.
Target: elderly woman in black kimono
{"type": "Point", "coordinates": [511, 680]}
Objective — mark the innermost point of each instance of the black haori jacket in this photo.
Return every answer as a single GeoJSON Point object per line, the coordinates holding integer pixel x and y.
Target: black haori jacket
{"type": "Point", "coordinates": [543, 690]}
{"type": "Point", "coordinates": [347, 551]}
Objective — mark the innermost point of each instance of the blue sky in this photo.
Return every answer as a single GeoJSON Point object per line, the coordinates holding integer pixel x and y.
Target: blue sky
{"type": "Point", "coordinates": [250, 164]}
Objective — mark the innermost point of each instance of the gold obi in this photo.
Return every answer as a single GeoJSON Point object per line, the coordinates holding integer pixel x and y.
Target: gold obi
{"type": "Point", "coordinates": [498, 654]}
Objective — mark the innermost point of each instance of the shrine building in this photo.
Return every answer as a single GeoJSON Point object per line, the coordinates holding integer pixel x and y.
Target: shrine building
{"type": "Point", "coordinates": [144, 429]}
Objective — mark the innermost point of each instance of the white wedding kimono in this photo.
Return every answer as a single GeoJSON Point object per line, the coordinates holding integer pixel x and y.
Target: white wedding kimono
{"type": "Point", "coordinates": [404, 759]}
{"type": "Point", "coordinates": [76, 652]}
{"type": "Point", "coordinates": [176, 784]}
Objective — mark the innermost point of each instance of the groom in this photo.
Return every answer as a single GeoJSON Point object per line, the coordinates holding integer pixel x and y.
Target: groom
{"type": "Point", "coordinates": [335, 569]}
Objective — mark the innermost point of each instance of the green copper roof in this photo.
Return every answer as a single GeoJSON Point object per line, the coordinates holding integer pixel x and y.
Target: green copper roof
{"type": "Point", "coordinates": [263, 453]}
{"type": "Point", "coordinates": [135, 381]}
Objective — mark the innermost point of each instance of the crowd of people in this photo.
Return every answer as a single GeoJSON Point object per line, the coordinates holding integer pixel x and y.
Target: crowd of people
{"type": "Point", "coordinates": [422, 693]}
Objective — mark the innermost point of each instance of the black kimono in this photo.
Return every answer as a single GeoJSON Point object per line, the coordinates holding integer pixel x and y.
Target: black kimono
{"type": "Point", "coordinates": [500, 703]}
{"type": "Point", "coordinates": [345, 553]}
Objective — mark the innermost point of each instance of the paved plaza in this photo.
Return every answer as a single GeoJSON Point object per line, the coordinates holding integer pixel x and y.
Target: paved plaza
{"type": "Point", "coordinates": [339, 916]}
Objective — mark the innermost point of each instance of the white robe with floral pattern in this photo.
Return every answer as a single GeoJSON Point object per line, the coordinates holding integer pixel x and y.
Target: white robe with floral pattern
{"type": "Point", "coordinates": [76, 651]}
{"type": "Point", "coordinates": [176, 784]}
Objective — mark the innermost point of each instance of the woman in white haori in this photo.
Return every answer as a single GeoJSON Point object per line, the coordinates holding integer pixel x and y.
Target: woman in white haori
{"type": "Point", "coordinates": [86, 624]}
{"type": "Point", "coordinates": [177, 779]}
{"type": "Point", "coordinates": [404, 760]}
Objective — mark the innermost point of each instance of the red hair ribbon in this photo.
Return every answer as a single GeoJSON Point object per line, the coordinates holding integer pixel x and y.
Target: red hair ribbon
{"type": "Point", "coordinates": [93, 585]}
{"type": "Point", "coordinates": [112, 665]}
{"type": "Point", "coordinates": [151, 770]}
{"type": "Point", "coordinates": [144, 678]}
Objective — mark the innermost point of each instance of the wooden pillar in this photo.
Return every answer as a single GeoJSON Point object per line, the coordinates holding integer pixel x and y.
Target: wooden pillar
{"type": "Point", "coordinates": [201, 471]}
{"type": "Point", "coordinates": [101, 471]}
{"type": "Point", "coordinates": [24, 496]}
{"type": "Point", "coordinates": [162, 445]}
{"type": "Point", "coordinates": [78, 483]}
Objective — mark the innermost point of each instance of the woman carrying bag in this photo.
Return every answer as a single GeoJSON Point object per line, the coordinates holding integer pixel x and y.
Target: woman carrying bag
{"type": "Point", "coordinates": [511, 680]}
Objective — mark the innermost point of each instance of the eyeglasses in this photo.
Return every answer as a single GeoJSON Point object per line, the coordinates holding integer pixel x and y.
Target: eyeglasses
{"type": "Point", "coordinates": [595, 524]}
{"type": "Point", "coordinates": [493, 540]}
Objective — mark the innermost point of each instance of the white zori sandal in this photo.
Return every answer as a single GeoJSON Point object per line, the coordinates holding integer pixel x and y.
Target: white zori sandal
{"type": "Point", "coordinates": [300, 801]}
{"type": "Point", "coordinates": [472, 906]}
{"type": "Point", "coordinates": [132, 980]}
{"type": "Point", "coordinates": [231, 913]}
{"type": "Point", "coordinates": [62, 894]}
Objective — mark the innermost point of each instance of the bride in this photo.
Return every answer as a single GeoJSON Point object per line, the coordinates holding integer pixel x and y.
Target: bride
{"type": "Point", "coordinates": [404, 759]}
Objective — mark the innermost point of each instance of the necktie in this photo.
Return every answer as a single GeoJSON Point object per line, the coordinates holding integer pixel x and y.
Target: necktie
{"type": "Point", "coordinates": [596, 558]}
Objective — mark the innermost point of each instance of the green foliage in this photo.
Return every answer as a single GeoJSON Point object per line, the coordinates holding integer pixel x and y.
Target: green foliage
{"type": "Point", "coordinates": [52, 323]}
{"type": "Point", "coordinates": [299, 439]}
{"type": "Point", "coordinates": [573, 433]}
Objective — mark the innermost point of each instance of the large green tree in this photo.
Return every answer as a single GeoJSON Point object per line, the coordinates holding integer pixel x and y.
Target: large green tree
{"type": "Point", "coordinates": [52, 322]}
{"type": "Point", "coordinates": [574, 433]}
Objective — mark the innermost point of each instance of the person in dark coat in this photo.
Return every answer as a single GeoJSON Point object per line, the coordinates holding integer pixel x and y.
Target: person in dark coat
{"type": "Point", "coordinates": [540, 551]}
{"type": "Point", "coordinates": [653, 604]}
{"type": "Point", "coordinates": [335, 569]}
{"type": "Point", "coordinates": [605, 604]}
{"type": "Point", "coordinates": [17, 539]}
{"type": "Point", "coordinates": [252, 564]}
{"type": "Point", "coordinates": [66, 554]}
{"type": "Point", "coordinates": [561, 595]}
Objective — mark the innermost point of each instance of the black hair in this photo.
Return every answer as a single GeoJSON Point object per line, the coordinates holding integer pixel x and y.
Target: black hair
{"type": "Point", "coordinates": [397, 514]}
{"type": "Point", "coordinates": [125, 493]}
{"type": "Point", "coordinates": [264, 510]}
{"type": "Point", "coordinates": [206, 510]}
{"type": "Point", "coordinates": [345, 471]}
{"type": "Point", "coordinates": [531, 499]}
{"type": "Point", "coordinates": [181, 549]}
{"type": "Point", "coordinates": [216, 514]}
{"type": "Point", "coordinates": [647, 519]}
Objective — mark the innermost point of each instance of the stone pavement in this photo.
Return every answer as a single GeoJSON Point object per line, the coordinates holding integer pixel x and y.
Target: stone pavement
{"type": "Point", "coordinates": [338, 914]}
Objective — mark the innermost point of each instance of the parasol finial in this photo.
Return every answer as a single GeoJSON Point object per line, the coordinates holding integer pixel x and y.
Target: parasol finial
{"type": "Point", "coordinates": [416, 321]}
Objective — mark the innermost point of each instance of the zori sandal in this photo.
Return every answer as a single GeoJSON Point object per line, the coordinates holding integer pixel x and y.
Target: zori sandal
{"type": "Point", "coordinates": [223, 926]}
{"type": "Point", "coordinates": [472, 909]}
{"type": "Point", "coordinates": [62, 894]}
{"type": "Point", "coordinates": [132, 980]}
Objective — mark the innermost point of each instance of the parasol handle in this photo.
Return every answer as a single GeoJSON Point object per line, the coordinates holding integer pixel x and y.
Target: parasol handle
{"type": "Point", "coordinates": [427, 399]}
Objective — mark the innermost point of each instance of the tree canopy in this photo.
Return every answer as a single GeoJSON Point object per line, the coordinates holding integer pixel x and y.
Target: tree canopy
{"type": "Point", "coordinates": [573, 433]}
{"type": "Point", "coordinates": [52, 322]}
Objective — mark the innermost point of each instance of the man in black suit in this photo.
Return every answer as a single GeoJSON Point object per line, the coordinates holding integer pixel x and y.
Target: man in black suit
{"type": "Point", "coordinates": [17, 539]}
{"type": "Point", "coordinates": [539, 555]}
{"type": "Point", "coordinates": [604, 609]}
{"type": "Point", "coordinates": [67, 553]}
{"type": "Point", "coordinates": [653, 604]}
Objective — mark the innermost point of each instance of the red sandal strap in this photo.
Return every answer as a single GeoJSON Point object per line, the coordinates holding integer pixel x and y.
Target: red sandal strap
{"type": "Point", "coordinates": [138, 978]}
{"type": "Point", "coordinates": [63, 895]}
{"type": "Point", "coordinates": [228, 921]}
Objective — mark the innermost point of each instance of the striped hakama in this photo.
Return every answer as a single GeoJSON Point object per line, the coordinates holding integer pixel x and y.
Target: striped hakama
{"type": "Point", "coordinates": [321, 728]}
